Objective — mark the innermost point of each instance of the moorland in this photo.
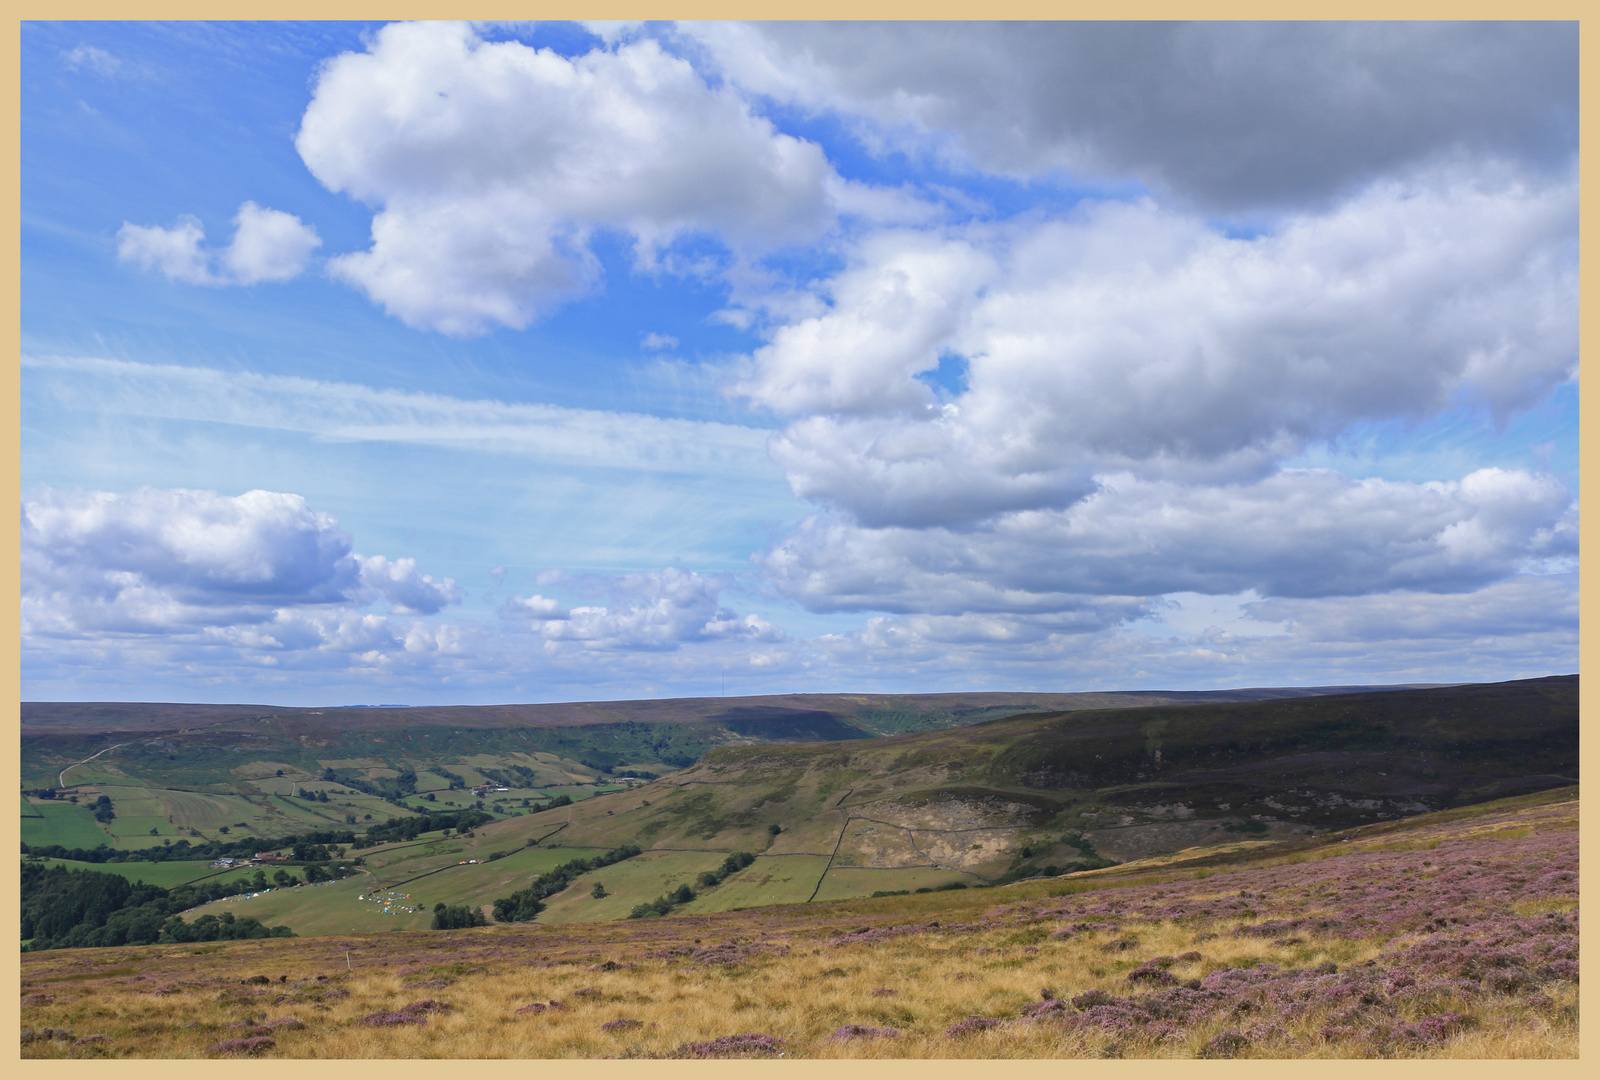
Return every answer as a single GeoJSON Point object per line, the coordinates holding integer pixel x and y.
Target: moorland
{"type": "Point", "coordinates": [1451, 934]}
{"type": "Point", "coordinates": [766, 841]}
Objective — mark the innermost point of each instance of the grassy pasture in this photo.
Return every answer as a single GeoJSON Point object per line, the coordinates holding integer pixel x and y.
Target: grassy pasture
{"type": "Point", "coordinates": [843, 882]}
{"type": "Point", "coordinates": [633, 881]}
{"type": "Point", "coordinates": [781, 879]}
{"type": "Point", "coordinates": [406, 861]}
{"type": "Point", "coordinates": [485, 883]}
{"type": "Point", "coordinates": [28, 809]}
{"type": "Point", "coordinates": [62, 823]}
{"type": "Point", "coordinates": [201, 811]}
{"type": "Point", "coordinates": [165, 874]}
{"type": "Point", "coordinates": [133, 830]}
{"type": "Point", "coordinates": [329, 908]}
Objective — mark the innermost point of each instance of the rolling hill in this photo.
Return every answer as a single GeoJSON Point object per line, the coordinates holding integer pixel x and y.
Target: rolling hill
{"type": "Point", "coordinates": [1006, 799]}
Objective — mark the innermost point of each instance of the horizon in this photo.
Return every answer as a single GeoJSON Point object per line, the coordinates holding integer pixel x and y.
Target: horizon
{"type": "Point", "coordinates": [805, 693]}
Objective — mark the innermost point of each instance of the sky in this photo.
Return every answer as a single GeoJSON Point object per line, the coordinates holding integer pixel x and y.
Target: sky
{"type": "Point", "coordinates": [470, 363]}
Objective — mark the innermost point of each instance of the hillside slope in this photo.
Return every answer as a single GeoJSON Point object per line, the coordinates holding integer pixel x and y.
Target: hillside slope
{"type": "Point", "coordinates": [1024, 794]}
{"type": "Point", "coordinates": [198, 745]}
{"type": "Point", "coordinates": [998, 801]}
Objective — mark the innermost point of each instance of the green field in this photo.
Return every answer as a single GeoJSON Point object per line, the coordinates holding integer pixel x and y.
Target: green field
{"type": "Point", "coordinates": [164, 874]}
{"type": "Point", "coordinates": [780, 879]}
{"type": "Point", "coordinates": [483, 884]}
{"type": "Point", "coordinates": [844, 882]}
{"type": "Point", "coordinates": [62, 823]}
{"type": "Point", "coordinates": [633, 881]}
{"type": "Point", "coordinates": [318, 909]}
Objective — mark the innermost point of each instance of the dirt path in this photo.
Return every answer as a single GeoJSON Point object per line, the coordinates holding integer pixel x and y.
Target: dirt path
{"type": "Point", "coordinates": [61, 781]}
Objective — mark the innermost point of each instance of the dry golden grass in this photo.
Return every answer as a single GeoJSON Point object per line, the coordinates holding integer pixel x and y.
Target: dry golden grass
{"type": "Point", "coordinates": [800, 998]}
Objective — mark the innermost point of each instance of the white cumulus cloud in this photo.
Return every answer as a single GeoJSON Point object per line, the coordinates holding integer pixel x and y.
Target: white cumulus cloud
{"type": "Point", "coordinates": [1297, 533]}
{"type": "Point", "coordinates": [659, 610]}
{"type": "Point", "coordinates": [1131, 338]}
{"type": "Point", "coordinates": [492, 163]}
{"type": "Point", "coordinates": [268, 245]}
{"type": "Point", "coordinates": [175, 562]}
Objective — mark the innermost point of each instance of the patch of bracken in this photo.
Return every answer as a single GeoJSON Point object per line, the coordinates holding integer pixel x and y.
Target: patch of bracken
{"type": "Point", "coordinates": [253, 1045]}
{"type": "Point", "coordinates": [748, 1045]}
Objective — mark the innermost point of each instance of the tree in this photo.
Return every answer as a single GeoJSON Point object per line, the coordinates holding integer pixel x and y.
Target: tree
{"type": "Point", "coordinates": [599, 891]}
{"type": "Point", "coordinates": [521, 906]}
{"type": "Point", "coordinates": [457, 917]}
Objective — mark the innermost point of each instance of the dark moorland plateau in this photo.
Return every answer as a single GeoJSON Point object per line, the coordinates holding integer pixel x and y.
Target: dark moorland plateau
{"type": "Point", "coordinates": [1386, 872]}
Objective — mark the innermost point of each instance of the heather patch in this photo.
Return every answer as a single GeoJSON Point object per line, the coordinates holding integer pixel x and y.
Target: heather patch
{"type": "Point", "coordinates": [234, 1047]}
{"type": "Point", "coordinates": [857, 1031]}
{"type": "Point", "coordinates": [750, 1044]}
{"type": "Point", "coordinates": [539, 1007]}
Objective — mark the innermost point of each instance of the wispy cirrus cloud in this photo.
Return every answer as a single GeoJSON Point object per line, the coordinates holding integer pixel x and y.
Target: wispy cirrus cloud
{"type": "Point", "coordinates": [350, 412]}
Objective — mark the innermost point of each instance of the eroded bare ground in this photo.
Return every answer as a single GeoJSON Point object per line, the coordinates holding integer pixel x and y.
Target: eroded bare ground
{"type": "Point", "coordinates": [1451, 936]}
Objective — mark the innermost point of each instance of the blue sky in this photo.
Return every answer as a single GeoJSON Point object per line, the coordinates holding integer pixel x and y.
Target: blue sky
{"type": "Point", "coordinates": [450, 363]}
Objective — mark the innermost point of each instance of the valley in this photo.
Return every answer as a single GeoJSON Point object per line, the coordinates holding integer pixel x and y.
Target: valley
{"type": "Point", "coordinates": [1035, 794]}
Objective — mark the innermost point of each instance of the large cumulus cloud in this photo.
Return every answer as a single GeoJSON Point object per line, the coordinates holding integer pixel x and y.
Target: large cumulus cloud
{"type": "Point", "coordinates": [1231, 116]}
{"type": "Point", "coordinates": [493, 163]}
{"type": "Point", "coordinates": [1131, 338]}
{"type": "Point", "coordinates": [173, 562]}
{"type": "Point", "coordinates": [1298, 533]}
